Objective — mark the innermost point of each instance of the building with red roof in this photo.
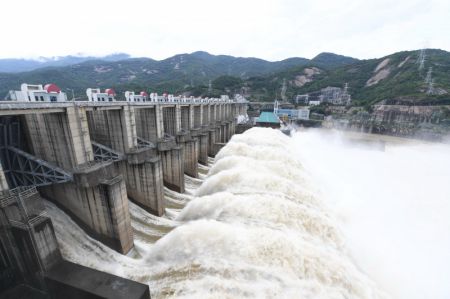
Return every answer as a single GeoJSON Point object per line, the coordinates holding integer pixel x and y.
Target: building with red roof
{"type": "Point", "coordinates": [96, 95]}
{"type": "Point", "coordinates": [38, 93]}
{"type": "Point", "coordinates": [131, 96]}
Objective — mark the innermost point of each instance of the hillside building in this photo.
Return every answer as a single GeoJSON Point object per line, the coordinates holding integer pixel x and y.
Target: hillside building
{"type": "Point", "coordinates": [329, 94]}
{"type": "Point", "coordinates": [290, 114]}
{"type": "Point", "coordinates": [38, 93]}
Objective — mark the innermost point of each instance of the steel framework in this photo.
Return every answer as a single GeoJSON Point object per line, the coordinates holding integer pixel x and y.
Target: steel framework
{"type": "Point", "coordinates": [103, 153]}
{"type": "Point", "coordinates": [27, 170]}
{"type": "Point", "coordinates": [144, 143]}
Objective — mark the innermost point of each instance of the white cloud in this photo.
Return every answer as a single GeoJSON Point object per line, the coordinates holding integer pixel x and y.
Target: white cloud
{"type": "Point", "coordinates": [262, 28]}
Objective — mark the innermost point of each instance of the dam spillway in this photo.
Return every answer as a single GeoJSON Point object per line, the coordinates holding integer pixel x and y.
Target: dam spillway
{"type": "Point", "coordinates": [268, 218]}
{"type": "Point", "coordinates": [90, 159]}
{"type": "Point", "coordinates": [279, 217]}
{"type": "Point", "coordinates": [250, 229]}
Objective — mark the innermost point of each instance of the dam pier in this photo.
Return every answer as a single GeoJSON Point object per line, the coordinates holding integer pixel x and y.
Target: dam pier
{"type": "Point", "coordinates": [90, 158]}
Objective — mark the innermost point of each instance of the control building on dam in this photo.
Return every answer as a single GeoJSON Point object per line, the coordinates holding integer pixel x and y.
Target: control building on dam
{"type": "Point", "coordinates": [90, 158]}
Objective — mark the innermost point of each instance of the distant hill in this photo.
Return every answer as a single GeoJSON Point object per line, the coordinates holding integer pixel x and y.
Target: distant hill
{"type": "Point", "coordinates": [180, 73]}
{"type": "Point", "coordinates": [14, 65]}
{"type": "Point", "coordinates": [395, 79]}
{"type": "Point", "coordinates": [331, 60]}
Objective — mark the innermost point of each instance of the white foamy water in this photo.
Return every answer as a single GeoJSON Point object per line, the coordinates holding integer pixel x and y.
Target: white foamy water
{"type": "Point", "coordinates": [280, 217]}
{"type": "Point", "coordinates": [393, 206]}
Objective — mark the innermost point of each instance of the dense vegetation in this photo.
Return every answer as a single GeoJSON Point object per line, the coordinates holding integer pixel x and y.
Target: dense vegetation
{"type": "Point", "coordinates": [404, 81]}
{"type": "Point", "coordinates": [181, 73]}
{"type": "Point", "coordinates": [396, 78]}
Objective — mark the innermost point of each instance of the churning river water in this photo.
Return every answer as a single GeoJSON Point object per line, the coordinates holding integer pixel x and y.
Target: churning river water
{"type": "Point", "coordinates": [307, 216]}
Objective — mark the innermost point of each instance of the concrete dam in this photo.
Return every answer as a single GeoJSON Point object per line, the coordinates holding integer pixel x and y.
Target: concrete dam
{"type": "Point", "coordinates": [89, 159]}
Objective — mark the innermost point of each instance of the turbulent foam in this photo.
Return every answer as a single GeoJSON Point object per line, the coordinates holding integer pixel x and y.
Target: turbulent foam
{"type": "Point", "coordinates": [256, 227]}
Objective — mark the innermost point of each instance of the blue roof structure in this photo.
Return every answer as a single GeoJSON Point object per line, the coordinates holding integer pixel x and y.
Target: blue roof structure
{"type": "Point", "coordinates": [268, 117]}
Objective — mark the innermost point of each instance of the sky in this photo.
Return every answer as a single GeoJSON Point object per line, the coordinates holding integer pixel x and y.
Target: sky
{"type": "Point", "coordinates": [272, 30]}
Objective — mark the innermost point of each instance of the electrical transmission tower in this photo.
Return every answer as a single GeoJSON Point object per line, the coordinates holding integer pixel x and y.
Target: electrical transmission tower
{"type": "Point", "coordinates": [421, 59]}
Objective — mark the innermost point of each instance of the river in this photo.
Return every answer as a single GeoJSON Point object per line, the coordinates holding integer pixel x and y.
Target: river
{"type": "Point", "coordinates": [308, 216]}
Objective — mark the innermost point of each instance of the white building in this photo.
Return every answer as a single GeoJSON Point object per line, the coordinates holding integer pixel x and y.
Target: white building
{"type": "Point", "coordinates": [314, 103]}
{"type": "Point", "coordinates": [153, 97]}
{"type": "Point", "coordinates": [38, 93]}
{"type": "Point", "coordinates": [95, 95]}
{"type": "Point", "coordinates": [130, 96]}
{"type": "Point", "coordinates": [290, 114]}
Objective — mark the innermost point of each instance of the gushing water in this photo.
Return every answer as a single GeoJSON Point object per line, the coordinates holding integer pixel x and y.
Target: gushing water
{"type": "Point", "coordinates": [259, 222]}
{"type": "Point", "coordinates": [393, 206]}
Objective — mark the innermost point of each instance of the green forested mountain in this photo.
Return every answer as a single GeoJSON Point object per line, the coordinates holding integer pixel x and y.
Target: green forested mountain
{"type": "Point", "coordinates": [179, 73]}
{"type": "Point", "coordinates": [396, 78]}
{"type": "Point", "coordinates": [17, 65]}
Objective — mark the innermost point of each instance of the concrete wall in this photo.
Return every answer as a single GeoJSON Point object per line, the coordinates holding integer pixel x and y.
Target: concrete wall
{"type": "Point", "coordinates": [115, 129]}
{"type": "Point", "coordinates": [190, 156]}
{"type": "Point", "coordinates": [171, 120]}
{"type": "Point", "coordinates": [205, 114]}
{"type": "Point", "coordinates": [144, 178]}
{"type": "Point", "coordinates": [197, 115]}
{"type": "Point", "coordinates": [60, 138]}
{"type": "Point", "coordinates": [28, 242]}
{"type": "Point", "coordinates": [147, 125]}
{"type": "Point", "coordinates": [185, 117]}
{"type": "Point", "coordinates": [71, 281]}
{"type": "Point", "coordinates": [173, 165]}
{"type": "Point", "coordinates": [142, 168]}
{"type": "Point", "coordinates": [211, 141]}
{"type": "Point", "coordinates": [102, 209]}
{"type": "Point", "coordinates": [97, 198]}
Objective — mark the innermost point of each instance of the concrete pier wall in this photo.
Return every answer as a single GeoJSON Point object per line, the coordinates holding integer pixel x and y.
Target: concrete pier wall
{"type": "Point", "coordinates": [144, 178]}
{"type": "Point", "coordinates": [170, 152]}
{"type": "Point", "coordinates": [211, 141]}
{"type": "Point", "coordinates": [188, 141]}
{"type": "Point", "coordinates": [99, 203]}
{"type": "Point", "coordinates": [173, 165]}
{"type": "Point", "coordinates": [63, 139]}
{"type": "Point", "coordinates": [115, 129]}
{"type": "Point", "coordinates": [190, 156]}
{"type": "Point", "coordinates": [149, 124]}
{"type": "Point", "coordinates": [141, 168]}
{"type": "Point", "coordinates": [60, 138]}
{"type": "Point", "coordinates": [203, 148]}
{"type": "Point", "coordinates": [218, 128]}
{"type": "Point", "coordinates": [27, 238]}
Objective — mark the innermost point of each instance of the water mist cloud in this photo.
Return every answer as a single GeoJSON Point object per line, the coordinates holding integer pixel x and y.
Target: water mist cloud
{"type": "Point", "coordinates": [393, 205]}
